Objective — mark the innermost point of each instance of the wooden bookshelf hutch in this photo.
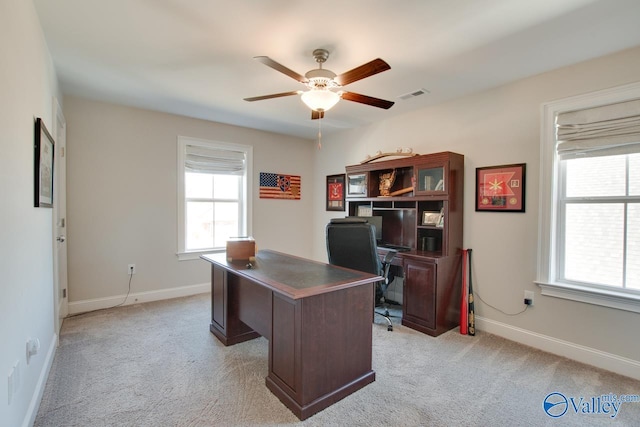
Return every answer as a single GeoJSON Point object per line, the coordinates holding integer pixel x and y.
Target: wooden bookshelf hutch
{"type": "Point", "coordinates": [430, 253]}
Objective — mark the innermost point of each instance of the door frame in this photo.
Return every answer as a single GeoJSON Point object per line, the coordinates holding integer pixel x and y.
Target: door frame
{"type": "Point", "coordinates": [60, 282]}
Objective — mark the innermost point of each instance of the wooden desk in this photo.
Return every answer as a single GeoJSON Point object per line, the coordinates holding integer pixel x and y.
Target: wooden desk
{"type": "Point", "coordinates": [317, 318]}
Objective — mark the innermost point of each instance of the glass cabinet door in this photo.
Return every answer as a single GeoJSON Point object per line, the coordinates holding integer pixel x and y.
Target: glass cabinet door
{"type": "Point", "coordinates": [357, 185]}
{"type": "Point", "coordinates": [431, 179]}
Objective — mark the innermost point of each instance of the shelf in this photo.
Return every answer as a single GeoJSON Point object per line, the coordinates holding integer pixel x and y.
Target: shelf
{"type": "Point", "coordinates": [395, 208]}
{"type": "Point", "coordinates": [430, 227]}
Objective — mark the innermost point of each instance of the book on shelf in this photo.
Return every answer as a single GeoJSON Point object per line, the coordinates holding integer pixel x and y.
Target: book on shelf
{"type": "Point", "coordinates": [427, 182]}
{"type": "Point", "coordinates": [365, 211]}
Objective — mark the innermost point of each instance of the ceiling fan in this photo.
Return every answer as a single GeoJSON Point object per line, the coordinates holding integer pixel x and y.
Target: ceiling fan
{"type": "Point", "coordinates": [325, 86]}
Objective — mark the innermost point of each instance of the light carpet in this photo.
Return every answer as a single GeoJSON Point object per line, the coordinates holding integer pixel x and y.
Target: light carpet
{"type": "Point", "coordinates": [157, 364]}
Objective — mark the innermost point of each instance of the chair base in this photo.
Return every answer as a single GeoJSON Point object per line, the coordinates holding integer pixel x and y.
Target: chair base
{"type": "Point", "coordinates": [382, 309]}
{"type": "Point", "coordinates": [387, 317]}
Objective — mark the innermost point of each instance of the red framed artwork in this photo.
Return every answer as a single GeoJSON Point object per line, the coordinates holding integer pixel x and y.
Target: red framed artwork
{"type": "Point", "coordinates": [500, 188]}
{"type": "Point", "coordinates": [335, 192]}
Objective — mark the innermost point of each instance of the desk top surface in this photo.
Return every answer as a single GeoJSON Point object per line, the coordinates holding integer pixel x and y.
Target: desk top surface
{"type": "Point", "coordinates": [293, 276]}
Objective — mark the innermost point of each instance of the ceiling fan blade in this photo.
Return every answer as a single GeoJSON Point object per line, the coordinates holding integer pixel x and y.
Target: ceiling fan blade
{"type": "Point", "coordinates": [315, 115]}
{"type": "Point", "coordinates": [369, 69]}
{"type": "Point", "coordinates": [275, 95]}
{"type": "Point", "coordinates": [369, 100]}
{"type": "Point", "coordinates": [279, 67]}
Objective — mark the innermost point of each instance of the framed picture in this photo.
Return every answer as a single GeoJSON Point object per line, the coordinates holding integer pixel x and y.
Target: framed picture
{"type": "Point", "coordinates": [432, 218]}
{"type": "Point", "coordinates": [357, 185]}
{"type": "Point", "coordinates": [335, 192]}
{"type": "Point", "coordinates": [501, 188]}
{"type": "Point", "coordinates": [43, 166]}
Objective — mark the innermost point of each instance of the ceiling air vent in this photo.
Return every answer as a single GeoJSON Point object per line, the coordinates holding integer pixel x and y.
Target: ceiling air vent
{"type": "Point", "coordinates": [413, 94]}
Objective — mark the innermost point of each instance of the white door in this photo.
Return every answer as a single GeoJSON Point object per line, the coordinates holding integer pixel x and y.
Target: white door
{"type": "Point", "coordinates": [60, 297]}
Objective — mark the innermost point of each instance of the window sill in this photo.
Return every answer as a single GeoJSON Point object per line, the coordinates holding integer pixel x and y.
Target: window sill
{"type": "Point", "coordinates": [188, 256]}
{"type": "Point", "coordinates": [606, 298]}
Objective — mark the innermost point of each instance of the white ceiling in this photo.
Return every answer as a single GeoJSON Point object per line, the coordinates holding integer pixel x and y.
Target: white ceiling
{"type": "Point", "coordinates": [194, 57]}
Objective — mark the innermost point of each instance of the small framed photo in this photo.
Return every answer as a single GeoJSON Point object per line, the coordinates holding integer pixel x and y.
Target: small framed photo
{"type": "Point", "coordinates": [432, 218]}
{"type": "Point", "coordinates": [335, 192]}
{"type": "Point", "coordinates": [501, 188]}
{"type": "Point", "coordinates": [43, 166]}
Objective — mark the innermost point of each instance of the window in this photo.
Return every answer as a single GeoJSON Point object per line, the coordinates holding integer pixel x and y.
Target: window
{"type": "Point", "coordinates": [213, 195]}
{"type": "Point", "coordinates": [589, 241]}
{"type": "Point", "coordinates": [599, 221]}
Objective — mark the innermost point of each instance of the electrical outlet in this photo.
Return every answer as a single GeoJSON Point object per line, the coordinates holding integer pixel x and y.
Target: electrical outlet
{"type": "Point", "coordinates": [33, 346]}
{"type": "Point", "coordinates": [131, 269]}
{"type": "Point", "coordinates": [13, 381]}
{"type": "Point", "coordinates": [10, 387]}
{"type": "Point", "coordinates": [528, 295]}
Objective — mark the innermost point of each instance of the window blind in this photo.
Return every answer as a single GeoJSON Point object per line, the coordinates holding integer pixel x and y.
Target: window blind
{"type": "Point", "coordinates": [212, 160]}
{"type": "Point", "coordinates": [600, 131]}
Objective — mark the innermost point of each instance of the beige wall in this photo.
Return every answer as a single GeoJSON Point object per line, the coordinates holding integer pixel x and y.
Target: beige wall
{"type": "Point", "coordinates": [501, 126]}
{"type": "Point", "coordinates": [27, 87]}
{"type": "Point", "coordinates": [121, 174]}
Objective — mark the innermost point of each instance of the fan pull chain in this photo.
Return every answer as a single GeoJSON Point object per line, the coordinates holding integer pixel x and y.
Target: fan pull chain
{"type": "Point", "coordinates": [320, 132]}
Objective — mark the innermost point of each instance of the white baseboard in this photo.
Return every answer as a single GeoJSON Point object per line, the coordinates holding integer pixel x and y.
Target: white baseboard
{"type": "Point", "coordinates": [83, 306]}
{"type": "Point", "coordinates": [36, 398]}
{"type": "Point", "coordinates": [590, 356]}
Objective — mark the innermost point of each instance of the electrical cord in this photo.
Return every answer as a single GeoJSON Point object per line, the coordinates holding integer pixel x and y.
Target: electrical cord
{"type": "Point", "coordinates": [128, 290]}
{"type": "Point", "coordinates": [477, 294]}
{"type": "Point", "coordinates": [107, 308]}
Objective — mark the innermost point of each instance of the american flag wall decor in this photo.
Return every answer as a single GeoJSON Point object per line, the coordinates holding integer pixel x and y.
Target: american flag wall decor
{"type": "Point", "coordinates": [279, 186]}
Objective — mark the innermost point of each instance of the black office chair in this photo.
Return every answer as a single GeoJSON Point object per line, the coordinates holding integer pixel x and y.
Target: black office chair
{"type": "Point", "coordinates": [351, 243]}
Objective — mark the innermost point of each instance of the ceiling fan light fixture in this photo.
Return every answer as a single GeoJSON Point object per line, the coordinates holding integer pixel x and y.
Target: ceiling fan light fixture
{"type": "Point", "coordinates": [320, 99]}
{"type": "Point", "coordinates": [324, 86]}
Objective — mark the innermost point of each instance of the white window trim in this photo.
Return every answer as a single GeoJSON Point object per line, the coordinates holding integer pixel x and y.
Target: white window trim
{"type": "Point", "coordinates": [182, 253]}
{"type": "Point", "coordinates": [548, 195]}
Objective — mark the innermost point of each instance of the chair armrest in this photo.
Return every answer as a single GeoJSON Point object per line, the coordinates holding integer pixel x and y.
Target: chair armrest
{"type": "Point", "coordinates": [391, 253]}
{"type": "Point", "coordinates": [386, 264]}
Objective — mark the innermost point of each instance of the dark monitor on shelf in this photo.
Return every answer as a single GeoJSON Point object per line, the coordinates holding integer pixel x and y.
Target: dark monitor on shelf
{"type": "Point", "coordinates": [377, 224]}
